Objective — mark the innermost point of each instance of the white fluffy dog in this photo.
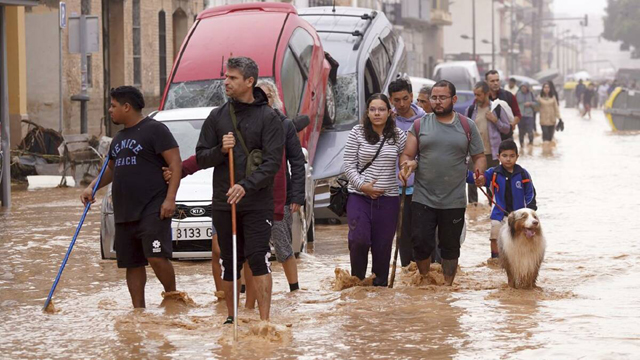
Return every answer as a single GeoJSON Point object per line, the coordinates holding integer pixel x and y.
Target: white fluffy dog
{"type": "Point", "coordinates": [522, 247]}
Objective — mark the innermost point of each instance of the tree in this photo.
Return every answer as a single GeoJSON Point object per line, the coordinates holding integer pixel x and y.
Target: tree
{"type": "Point", "coordinates": [621, 22]}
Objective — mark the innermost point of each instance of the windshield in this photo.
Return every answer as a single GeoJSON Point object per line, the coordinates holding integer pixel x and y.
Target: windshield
{"type": "Point", "coordinates": [457, 75]}
{"type": "Point", "coordinates": [186, 133]}
{"type": "Point", "coordinates": [346, 91]}
{"type": "Point", "coordinates": [192, 94]}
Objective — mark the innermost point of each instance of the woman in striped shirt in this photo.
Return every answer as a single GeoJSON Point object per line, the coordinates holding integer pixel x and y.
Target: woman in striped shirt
{"type": "Point", "coordinates": [373, 205]}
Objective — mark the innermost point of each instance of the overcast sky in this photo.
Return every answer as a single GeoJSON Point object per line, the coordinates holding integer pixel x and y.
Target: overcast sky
{"type": "Point", "coordinates": [574, 7]}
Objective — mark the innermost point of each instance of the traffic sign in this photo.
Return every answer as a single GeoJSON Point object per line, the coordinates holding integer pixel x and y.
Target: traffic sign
{"type": "Point", "coordinates": [63, 15]}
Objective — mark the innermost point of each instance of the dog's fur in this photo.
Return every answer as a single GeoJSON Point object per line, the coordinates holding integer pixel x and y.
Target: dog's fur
{"type": "Point", "coordinates": [522, 245]}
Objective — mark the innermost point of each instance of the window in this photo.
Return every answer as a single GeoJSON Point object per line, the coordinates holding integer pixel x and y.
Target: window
{"type": "Point", "coordinates": [293, 83]}
{"type": "Point", "coordinates": [137, 46]}
{"type": "Point", "coordinates": [162, 49]}
{"type": "Point", "coordinates": [380, 62]}
{"type": "Point", "coordinates": [302, 44]}
{"type": "Point", "coordinates": [371, 83]}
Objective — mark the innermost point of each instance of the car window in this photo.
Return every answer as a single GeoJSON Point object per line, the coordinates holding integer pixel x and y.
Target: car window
{"type": "Point", "coordinates": [457, 75]}
{"type": "Point", "coordinates": [463, 97]}
{"type": "Point", "coordinates": [371, 81]}
{"type": "Point", "coordinates": [293, 83]}
{"type": "Point", "coordinates": [302, 44]}
{"type": "Point", "coordinates": [380, 61]}
{"type": "Point", "coordinates": [186, 133]}
{"type": "Point", "coordinates": [390, 43]}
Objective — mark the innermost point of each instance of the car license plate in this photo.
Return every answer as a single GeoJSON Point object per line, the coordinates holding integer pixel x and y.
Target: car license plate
{"type": "Point", "coordinates": [192, 233]}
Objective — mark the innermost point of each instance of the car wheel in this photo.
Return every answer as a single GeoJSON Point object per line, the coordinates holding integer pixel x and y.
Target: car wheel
{"type": "Point", "coordinates": [330, 106]}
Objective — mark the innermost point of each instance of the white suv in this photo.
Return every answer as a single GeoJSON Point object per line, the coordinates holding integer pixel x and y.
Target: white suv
{"type": "Point", "coordinates": [191, 225]}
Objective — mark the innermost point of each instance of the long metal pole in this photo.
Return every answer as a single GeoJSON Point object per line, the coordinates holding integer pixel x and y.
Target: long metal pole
{"type": "Point", "coordinates": [235, 249]}
{"type": "Point", "coordinates": [60, 72]}
{"type": "Point", "coordinates": [512, 38]}
{"type": "Point", "coordinates": [493, 37]}
{"type": "Point", "coordinates": [83, 71]}
{"type": "Point", "coordinates": [5, 190]}
{"type": "Point", "coordinates": [473, 20]}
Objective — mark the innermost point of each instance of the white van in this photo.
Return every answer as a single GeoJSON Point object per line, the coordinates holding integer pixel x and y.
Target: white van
{"type": "Point", "coordinates": [463, 74]}
{"type": "Point", "coordinates": [417, 83]}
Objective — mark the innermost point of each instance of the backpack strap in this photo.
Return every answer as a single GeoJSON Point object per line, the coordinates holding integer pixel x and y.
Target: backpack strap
{"type": "Point", "coordinates": [416, 129]}
{"type": "Point", "coordinates": [464, 121]}
{"type": "Point", "coordinates": [470, 109]}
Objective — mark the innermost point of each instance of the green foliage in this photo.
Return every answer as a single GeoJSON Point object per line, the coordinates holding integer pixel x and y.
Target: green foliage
{"type": "Point", "coordinates": [621, 22]}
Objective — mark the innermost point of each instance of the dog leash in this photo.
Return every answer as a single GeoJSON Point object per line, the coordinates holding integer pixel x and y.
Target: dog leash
{"type": "Point", "coordinates": [489, 197]}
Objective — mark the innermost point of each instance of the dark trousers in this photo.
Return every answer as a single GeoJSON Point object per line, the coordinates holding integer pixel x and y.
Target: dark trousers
{"type": "Point", "coordinates": [449, 223]}
{"type": "Point", "coordinates": [372, 226]}
{"type": "Point", "coordinates": [472, 190]}
{"type": "Point", "coordinates": [547, 132]}
{"type": "Point", "coordinates": [525, 127]}
{"type": "Point", "coordinates": [405, 245]}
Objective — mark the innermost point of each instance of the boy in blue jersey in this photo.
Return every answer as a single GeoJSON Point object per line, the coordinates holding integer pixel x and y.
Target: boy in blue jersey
{"type": "Point", "coordinates": [511, 187]}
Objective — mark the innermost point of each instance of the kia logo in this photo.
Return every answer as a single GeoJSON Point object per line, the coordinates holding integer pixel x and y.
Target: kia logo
{"type": "Point", "coordinates": [197, 211]}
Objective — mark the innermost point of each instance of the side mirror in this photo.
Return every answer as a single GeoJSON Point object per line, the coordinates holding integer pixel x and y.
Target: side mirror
{"type": "Point", "coordinates": [301, 122]}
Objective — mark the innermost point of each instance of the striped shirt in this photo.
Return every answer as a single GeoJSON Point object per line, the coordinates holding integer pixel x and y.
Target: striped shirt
{"type": "Point", "coordinates": [358, 152]}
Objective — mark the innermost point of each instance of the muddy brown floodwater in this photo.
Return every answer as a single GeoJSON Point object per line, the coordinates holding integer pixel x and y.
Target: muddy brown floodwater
{"type": "Point", "coordinates": [586, 305]}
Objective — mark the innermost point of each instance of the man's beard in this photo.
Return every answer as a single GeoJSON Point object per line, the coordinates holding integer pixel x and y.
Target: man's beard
{"type": "Point", "coordinates": [448, 110]}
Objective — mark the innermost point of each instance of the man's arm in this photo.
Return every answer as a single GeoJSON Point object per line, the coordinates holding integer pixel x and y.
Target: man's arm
{"type": "Point", "coordinates": [515, 109]}
{"type": "Point", "coordinates": [209, 151]}
{"type": "Point", "coordinates": [107, 178]}
{"type": "Point", "coordinates": [172, 157]}
{"type": "Point", "coordinates": [480, 163]}
{"type": "Point", "coordinates": [408, 161]}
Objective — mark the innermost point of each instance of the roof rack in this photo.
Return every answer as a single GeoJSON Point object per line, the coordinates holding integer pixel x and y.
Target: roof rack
{"type": "Point", "coordinates": [368, 17]}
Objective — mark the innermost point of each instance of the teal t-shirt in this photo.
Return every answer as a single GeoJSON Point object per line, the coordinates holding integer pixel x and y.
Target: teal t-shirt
{"type": "Point", "coordinates": [442, 171]}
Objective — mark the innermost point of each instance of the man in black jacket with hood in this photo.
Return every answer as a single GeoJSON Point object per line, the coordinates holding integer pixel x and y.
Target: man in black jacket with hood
{"type": "Point", "coordinates": [261, 129]}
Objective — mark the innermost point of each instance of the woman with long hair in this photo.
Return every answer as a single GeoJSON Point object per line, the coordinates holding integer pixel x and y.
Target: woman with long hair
{"type": "Point", "coordinates": [370, 158]}
{"type": "Point", "coordinates": [549, 111]}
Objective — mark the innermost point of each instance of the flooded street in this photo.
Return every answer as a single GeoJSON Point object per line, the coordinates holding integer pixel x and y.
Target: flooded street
{"type": "Point", "coordinates": [586, 305]}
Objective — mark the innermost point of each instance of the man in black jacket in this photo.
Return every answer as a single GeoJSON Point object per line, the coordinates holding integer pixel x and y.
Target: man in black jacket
{"type": "Point", "coordinates": [260, 128]}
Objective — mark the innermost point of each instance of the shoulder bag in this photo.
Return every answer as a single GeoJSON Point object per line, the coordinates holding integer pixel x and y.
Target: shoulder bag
{"type": "Point", "coordinates": [339, 193]}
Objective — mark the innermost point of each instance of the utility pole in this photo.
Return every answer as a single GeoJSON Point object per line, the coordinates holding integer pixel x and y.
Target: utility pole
{"type": "Point", "coordinates": [473, 7]}
{"type": "Point", "coordinates": [493, 36]}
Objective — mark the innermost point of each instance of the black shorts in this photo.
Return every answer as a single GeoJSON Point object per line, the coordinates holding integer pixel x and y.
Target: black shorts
{"type": "Point", "coordinates": [253, 232]}
{"type": "Point", "coordinates": [138, 240]}
{"type": "Point", "coordinates": [425, 220]}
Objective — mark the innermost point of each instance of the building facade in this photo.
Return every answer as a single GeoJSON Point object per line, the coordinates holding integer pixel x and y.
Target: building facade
{"type": "Point", "coordinates": [137, 39]}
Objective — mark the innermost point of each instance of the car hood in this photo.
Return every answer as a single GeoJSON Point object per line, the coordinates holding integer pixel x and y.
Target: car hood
{"type": "Point", "coordinates": [329, 154]}
{"type": "Point", "coordinates": [196, 187]}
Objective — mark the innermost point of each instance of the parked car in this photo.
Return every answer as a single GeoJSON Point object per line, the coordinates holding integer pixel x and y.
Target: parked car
{"type": "Point", "coordinates": [287, 50]}
{"type": "Point", "coordinates": [191, 225]}
{"type": "Point", "coordinates": [417, 83]}
{"type": "Point", "coordinates": [465, 99]}
{"type": "Point", "coordinates": [370, 55]}
{"type": "Point", "coordinates": [463, 74]}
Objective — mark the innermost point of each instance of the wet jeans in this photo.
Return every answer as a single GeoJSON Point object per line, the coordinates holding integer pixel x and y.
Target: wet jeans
{"type": "Point", "coordinates": [372, 225]}
{"type": "Point", "coordinates": [525, 127]}
{"type": "Point", "coordinates": [547, 132]}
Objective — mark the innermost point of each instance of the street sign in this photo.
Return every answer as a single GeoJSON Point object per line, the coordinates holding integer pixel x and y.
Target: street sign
{"type": "Point", "coordinates": [92, 34]}
{"type": "Point", "coordinates": [63, 15]}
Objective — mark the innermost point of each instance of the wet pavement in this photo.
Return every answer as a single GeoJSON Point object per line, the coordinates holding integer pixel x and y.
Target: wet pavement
{"type": "Point", "coordinates": [586, 305]}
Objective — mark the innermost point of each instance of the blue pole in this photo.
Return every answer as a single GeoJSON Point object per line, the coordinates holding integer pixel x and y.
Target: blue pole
{"type": "Point", "coordinates": [75, 236]}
